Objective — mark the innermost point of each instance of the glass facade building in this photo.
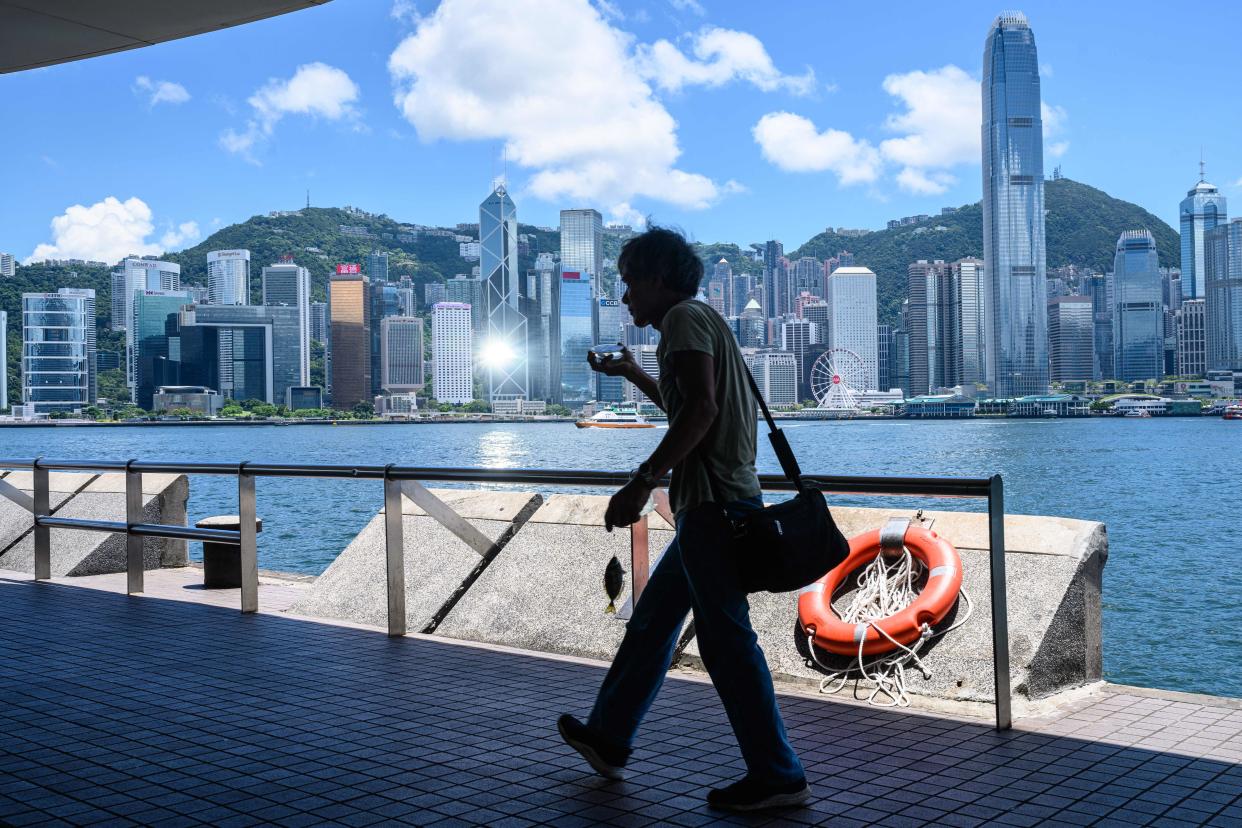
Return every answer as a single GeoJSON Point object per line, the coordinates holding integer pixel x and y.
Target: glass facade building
{"type": "Point", "coordinates": [1013, 212]}
{"type": "Point", "coordinates": [1202, 209]}
{"type": "Point", "coordinates": [135, 276]}
{"type": "Point", "coordinates": [288, 284]}
{"type": "Point", "coordinates": [504, 346]}
{"type": "Point", "coordinates": [582, 244]}
{"type": "Point", "coordinates": [228, 277]}
{"type": "Point", "coordinates": [1071, 338]}
{"type": "Point", "coordinates": [1223, 302]}
{"type": "Point", "coordinates": [152, 329]}
{"type": "Point", "coordinates": [244, 352]}
{"type": "Point", "coordinates": [1138, 309]}
{"type": "Point", "coordinates": [610, 318]}
{"type": "Point", "coordinates": [773, 254]}
{"type": "Point", "coordinates": [58, 350]}
{"type": "Point", "coordinates": [934, 325]}
{"type": "Point", "coordinates": [577, 335]}
{"type": "Point", "coordinates": [969, 275]}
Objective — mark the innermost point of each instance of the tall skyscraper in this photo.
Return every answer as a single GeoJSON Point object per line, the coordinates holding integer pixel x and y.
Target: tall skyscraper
{"type": "Point", "coordinates": [773, 252]}
{"type": "Point", "coordinates": [1202, 209]}
{"type": "Point", "coordinates": [385, 302]}
{"type": "Point", "coordinates": [351, 339]}
{"type": "Point", "coordinates": [1223, 302]}
{"type": "Point", "coordinates": [452, 371]}
{"type": "Point", "coordinates": [808, 273]}
{"type": "Point", "coordinates": [1071, 338]}
{"type": "Point", "coordinates": [58, 350]}
{"type": "Point", "coordinates": [152, 309]}
{"type": "Point", "coordinates": [433, 294]}
{"type": "Point", "coordinates": [969, 275]}
{"type": "Point", "coordinates": [468, 290]}
{"type": "Point", "coordinates": [8, 267]}
{"type": "Point", "coordinates": [377, 266]}
{"type": "Point", "coordinates": [582, 244]}
{"type": "Point", "coordinates": [796, 336]}
{"type": "Point", "coordinates": [401, 354]}
{"type": "Point", "coordinates": [610, 316]}
{"type": "Point", "coordinates": [577, 335]}
{"type": "Point", "coordinates": [883, 353]}
{"type": "Point", "coordinates": [286, 283]}
{"type": "Point", "coordinates": [934, 324]}
{"type": "Point", "coordinates": [1191, 339]}
{"type": "Point", "coordinates": [716, 296]}
{"type": "Point", "coordinates": [134, 276]}
{"type": "Point", "coordinates": [228, 277]}
{"type": "Point", "coordinates": [1099, 288]}
{"type": "Point", "coordinates": [852, 319]}
{"type": "Point", "coordinates": [1138, 320]}
{"type": "Point", "coordinates": [1013, 212]}
{"type": "Point", "coordinates": [503, 351]}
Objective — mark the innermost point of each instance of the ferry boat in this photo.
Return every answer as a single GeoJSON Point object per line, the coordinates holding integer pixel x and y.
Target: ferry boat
{"type": "Point", "coordinates": [610, 418]}
{"type": "Point", "coordinates": [1233, 412]}
{"type": "Point", "coordinates": [1137, 412]}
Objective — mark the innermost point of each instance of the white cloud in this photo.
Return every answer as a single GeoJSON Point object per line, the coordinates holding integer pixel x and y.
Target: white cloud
{"type": "Point", "coordinates": [159, 92]}
{"type": "Point", "coordinates": [316, 90]}
{"type": "Point", "coordinates": [610, 10]}
{"type": "Point", "coordinates": [108, 231]}
{"type": "Point", "coordinates": [1056, 149]}
{"type": "Point", "coordinates": [405, 11]}
{"type": "Point", "coordinates": [939, 127]}
{"type": "Point", "coordinates": [1045, 70]}
{"type": "Point", "coordinates": [558, 85]}
{"type": "Point", "coordinates": [692, 6]}
{"type": "Point", "coordinates": [720, 56]}
{"type": "Point", "coordinates": [792, 143]}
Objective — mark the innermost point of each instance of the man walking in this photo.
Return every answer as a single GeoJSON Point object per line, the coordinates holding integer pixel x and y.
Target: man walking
{"type": "Point", "coordinates": [710, 449]}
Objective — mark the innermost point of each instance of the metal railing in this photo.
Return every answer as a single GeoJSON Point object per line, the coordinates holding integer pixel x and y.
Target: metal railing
{"type": "Point", "coordinates": [408, 481]}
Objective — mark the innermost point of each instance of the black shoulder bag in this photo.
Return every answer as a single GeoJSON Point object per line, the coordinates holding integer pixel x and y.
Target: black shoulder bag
{"type": "Point", "coordinates": [778, 548]}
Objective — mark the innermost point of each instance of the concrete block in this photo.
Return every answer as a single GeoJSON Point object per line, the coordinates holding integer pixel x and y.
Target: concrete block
{"type": "Point", "coordinates": [79, 552]}
{"type": "Point", "coordinates": [546, 590]}
{"type": "Point", "coordinates": [437, 562]}
{"type": "Point", "coordinates": [1053, 568]}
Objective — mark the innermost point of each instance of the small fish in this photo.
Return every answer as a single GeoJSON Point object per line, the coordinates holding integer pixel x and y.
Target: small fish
{"type": "Point", "coordinates": [613, 574]}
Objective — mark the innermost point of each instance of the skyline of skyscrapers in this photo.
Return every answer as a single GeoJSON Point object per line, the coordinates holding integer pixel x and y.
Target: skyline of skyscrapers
{"type": "Point", "coordinates": [1013, 211]}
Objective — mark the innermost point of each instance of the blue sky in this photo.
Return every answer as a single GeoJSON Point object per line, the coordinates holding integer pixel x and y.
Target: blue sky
{"type": "Point", "coordinates": [738, 121]}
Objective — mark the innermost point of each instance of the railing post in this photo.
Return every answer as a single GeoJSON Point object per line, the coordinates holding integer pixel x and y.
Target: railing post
{"type": "Point", "coordinates": [1000, 603]}
{"type": "Point", "coordinates": [134, 564]}
{"type": "Point", "coordinates": [42, 534]}
{"type": "Point", "coordinates": [394, 558]}
{"type": "Point", "coordinates": [249, 540]}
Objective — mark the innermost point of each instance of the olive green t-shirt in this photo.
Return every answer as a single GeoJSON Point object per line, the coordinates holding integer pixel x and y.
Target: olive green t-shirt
{"type": "Point", "coordinates": [722, 467]}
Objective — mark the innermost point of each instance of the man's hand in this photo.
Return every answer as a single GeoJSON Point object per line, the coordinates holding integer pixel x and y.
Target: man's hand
{"type": "Point", "coordinates": [626, 506]}
{"type": "Point", "coordinates": [625, 366]}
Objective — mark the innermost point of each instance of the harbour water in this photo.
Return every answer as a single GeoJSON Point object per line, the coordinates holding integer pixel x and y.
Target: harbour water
{"type": "Point", "coordinates": [1168, 490]}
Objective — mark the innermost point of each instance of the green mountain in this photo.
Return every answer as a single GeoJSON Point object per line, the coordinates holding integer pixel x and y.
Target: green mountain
{"type": "Point", "coordinates": [1082, 225]}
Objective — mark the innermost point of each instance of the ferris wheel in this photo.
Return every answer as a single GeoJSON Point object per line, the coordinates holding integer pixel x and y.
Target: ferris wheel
{"type": "Point", "coordinates": [837, 378]}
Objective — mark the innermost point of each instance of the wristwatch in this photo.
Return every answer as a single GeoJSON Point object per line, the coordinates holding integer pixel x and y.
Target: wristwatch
{"type": "Point", "coordinates": [643, 475]}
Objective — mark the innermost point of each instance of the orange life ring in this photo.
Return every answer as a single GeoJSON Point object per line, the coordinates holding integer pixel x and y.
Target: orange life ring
{"type": "Point", "coordinates": [944, 580]}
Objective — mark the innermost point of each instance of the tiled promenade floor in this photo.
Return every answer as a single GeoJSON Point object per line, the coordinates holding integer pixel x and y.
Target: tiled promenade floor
{"type": "Point", "coordinates": [121, 711]}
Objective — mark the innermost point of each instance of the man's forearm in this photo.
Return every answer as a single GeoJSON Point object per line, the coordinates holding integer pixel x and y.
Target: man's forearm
{"type": "Point", "coordinates": [644, 382]}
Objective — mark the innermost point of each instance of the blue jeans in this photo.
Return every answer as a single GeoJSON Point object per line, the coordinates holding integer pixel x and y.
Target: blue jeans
{"type": "Point", "coordinates": [690, 577]}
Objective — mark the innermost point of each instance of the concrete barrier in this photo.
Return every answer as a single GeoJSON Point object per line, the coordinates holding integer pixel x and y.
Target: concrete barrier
{"type": "Point", "coordinates": [438, 565]}
{"type": "Point", "coordinates": [93, 497]}
{"type": "Point", "coordinates": [544, 591]}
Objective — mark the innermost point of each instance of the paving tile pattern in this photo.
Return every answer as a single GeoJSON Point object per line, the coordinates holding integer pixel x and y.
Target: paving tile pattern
{"type": "Point", "coordinates": [141, 711]}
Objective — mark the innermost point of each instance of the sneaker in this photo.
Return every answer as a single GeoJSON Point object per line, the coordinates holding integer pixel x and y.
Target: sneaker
{"type": "Point", "coordinates": [750, 795]}
{"type": "Point", "coordinates": [608, 759]}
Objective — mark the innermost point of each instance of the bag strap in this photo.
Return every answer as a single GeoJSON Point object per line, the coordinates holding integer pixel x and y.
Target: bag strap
{"type": "Point", "coordinates": [784, 454]}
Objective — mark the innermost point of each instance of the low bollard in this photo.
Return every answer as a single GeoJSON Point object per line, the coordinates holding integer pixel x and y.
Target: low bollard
{"type": "Point", "coordinates": [222, 561]}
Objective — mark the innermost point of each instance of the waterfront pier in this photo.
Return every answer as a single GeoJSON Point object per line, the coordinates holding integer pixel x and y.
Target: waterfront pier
{"type": "Point", "coordinates": [165, 705]}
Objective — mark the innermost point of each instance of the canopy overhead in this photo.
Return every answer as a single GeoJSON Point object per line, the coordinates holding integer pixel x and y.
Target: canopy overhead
{"type": "Point", "coordinates": [36, 33]}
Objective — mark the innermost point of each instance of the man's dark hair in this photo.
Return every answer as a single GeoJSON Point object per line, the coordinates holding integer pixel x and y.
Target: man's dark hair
{"type": "Point", "coordinates": [663, 253]}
